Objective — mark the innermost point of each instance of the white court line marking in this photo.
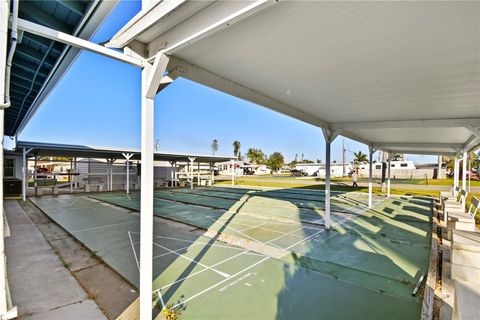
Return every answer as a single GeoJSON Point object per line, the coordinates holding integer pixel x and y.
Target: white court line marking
{"type": "Point", "coordinates": [219, 283]}
{"type": "Point", "coordinates": [228, 227]}
{"type": "Point", "coordinates": [176, 250]}
{"type": "Point", "coordinates": [200, 271]}
{"type": "Point", "coordinates": [223, 274]}
{"type": "Point", "coordinates": [134, 253]}
{"type": "Point", "coordinates": [283, 235]}
{"type": "Point", "coordinates": [253, 227]}
{"type": "Point", "coordinates": [333, 225]}
{"type": "Point", "coordinates": [244, 224]}
{"type": "Point", "coordinates": [103, 227]}
{"type": "Point", "coordinates": [161, 299]}
{"type": "Point", "coordinates": [207, 244]}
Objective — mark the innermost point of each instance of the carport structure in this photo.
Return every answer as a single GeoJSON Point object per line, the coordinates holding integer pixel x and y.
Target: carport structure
{"type": "Point", "coordinates": [37, 150]}
{"type": "Point", "coordinates": [397, 76]}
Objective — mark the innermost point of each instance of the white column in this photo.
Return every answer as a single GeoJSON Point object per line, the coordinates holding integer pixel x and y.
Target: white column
{"type": "Point", "coordinates": [5, 312]}
{"type": "Point", "coordinates": [175, 174]}
{"type": "Point", "coordinates": [127, 157]}
{"type": "Point", "coordinates": [233, 172]}
{"type": "Point", "coordinates": [70, 176]}
{"type": "Point", "coordinates": [35, 171]}
{"type": "Point", "coordinates": [4, 13]}
{"type": "Point", "coordinates": [25, 174]}
{"type": "Point", "coordinates": [191, 171]}
{"type": "Point", "coordinates": [328, 222]}
{"type": "Point", "coordinates": [171, 174]}
{"type": "Point", "coordinates": [146, 200]}
{"type": "Point", "coordinates": [464, 170]}
{"type": "Point", "coordinates": [212, 171]}
{"type": "Point", "coordinates": [111, 175]}
{"type": "Point", "coordinates": [329, 136]}
{"type": "Point", "coordinates": [198, 173]}
{"type": "Point", "coordinates": [370, 174]}
{"type": "Point", "coordinates": [455, 175]}
{"type": "Point", "coordinates": [388, 177]}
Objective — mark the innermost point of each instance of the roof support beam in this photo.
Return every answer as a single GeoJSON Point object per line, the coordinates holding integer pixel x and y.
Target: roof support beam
{"type": "Point", "coordinates": [76, 6]}
{"type": "Point", "coordinates": [199, 75]}
{"type": "Point", "coordinates": [420, 152]}
{"type": "Point", "coordinates": [469, 142]}
{"type": "Point", "coordinates": [55, 35]}
{"type": "Point", "coordinates": [156, 75]}
{"type": "Point", "coordinates": [220, 25]}
{"type": "Point", "coordinates": [143, 21]}
{"type": "Point", "coordinates": [402, 124]}
{"type": "Point", "coordinates": [453, 146]}
{"type": "Point", "coordinates": [37, 13]}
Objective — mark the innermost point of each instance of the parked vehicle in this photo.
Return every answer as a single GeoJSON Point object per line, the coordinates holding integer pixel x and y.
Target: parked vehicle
{"type": "Point", "coordinates": [297, 173]}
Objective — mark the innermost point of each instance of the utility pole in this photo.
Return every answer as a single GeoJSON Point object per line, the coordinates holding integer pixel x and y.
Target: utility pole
{"type": "Point", "coordinates": [343, 157]}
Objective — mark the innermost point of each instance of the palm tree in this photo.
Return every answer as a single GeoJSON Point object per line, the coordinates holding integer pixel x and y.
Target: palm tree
{"type": "Point", "coordinates": [396, 157]}
{"type": "Point", "coordinates": [214, 146]}
{"type": "Point", "coordinates": [236, 148]}
{"type": "Point", "coordinates": [360, 158]}
{"type": "Point", "coordinates": [256, 156]}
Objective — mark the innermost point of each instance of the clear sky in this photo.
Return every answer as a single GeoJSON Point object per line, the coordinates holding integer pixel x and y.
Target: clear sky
{"type": "Point", "coordinates": [98, 103]}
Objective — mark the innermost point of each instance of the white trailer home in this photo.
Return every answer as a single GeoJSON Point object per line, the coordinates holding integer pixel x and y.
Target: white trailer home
{"type": "Point", "coordinates": [318, 169]}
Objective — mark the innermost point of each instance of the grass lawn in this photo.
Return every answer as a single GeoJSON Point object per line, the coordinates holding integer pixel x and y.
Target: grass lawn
{"type": "Point", "coordinates": [376, 190]}
{"type": "Point", "coordinates": [431, 182]}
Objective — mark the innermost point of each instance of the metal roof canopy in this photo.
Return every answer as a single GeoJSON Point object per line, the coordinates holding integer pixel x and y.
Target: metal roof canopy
{"type": "Point", "coordinates": [39, 63]}
{"type": "Point", "coordinates": [68, 150]}
{"type": "Point", "coordinates": [398, 76]}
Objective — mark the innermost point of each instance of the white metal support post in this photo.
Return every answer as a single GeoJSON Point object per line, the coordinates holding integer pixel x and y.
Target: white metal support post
{"type": "Point", "coordinates": [455, 175]}
{"type": "Point", "coordinates": [212, 171]}
{"type": "Point", "coordinates": [25, 173]}
{"type": "Point", "coordinates": [76, 172]}
{"type": "Point", "coordinates": [35, 159]}
{"type": "Point", "coordinates": [6, 310]}
{"type": "Point", "coordinates": [70, 176]}
{"type": "Point", "coordinates": [191, 159]}
{"type": "Point", "coordinates": [175, 174]}
{"type": "Point", "coordinates": [150, 84]}
{"type": "Point", "coordinates": [233, 172]}
{"type": "Point", "coordinates": [146, 201]}
{"type": "Point", "coordinates": [198, 173]}
{"type": "Point", "coordinates": [371, 150]}
{"type": "Point", "coordinates": [329, 136]}
{"type": "Point", "coordinates": [464, 170]}
{"type": "Point", "coordinates": [388, 175]}
{"type": "Point", "coordinates": [127, 157]}
{"type": "Point", "coordinates": [172, 174]}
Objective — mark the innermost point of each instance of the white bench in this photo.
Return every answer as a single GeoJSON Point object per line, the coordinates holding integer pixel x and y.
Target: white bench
{"type": "Point", "coordinates": [454, 205]}
{"type": "Point", "coordinates": [445, 195]}
{"type": "Point", "coordinates": [459, 220]}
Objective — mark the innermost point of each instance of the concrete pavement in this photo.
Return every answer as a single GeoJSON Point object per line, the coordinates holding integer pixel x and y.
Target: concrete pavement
{"type": "Point", "coordinates": [41, 286]}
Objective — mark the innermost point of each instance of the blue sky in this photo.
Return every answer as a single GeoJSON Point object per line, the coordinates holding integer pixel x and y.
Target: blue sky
{"type": "Point", "coordinates": [98, 103]}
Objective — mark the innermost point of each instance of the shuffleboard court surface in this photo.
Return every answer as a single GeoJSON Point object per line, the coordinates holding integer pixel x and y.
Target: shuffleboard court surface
{"type": "Point", "coordinates": [244, 254]}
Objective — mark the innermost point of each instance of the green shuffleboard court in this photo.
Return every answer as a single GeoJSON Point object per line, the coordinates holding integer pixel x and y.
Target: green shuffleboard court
{"type": "Point", "coordinates": [262, 253]}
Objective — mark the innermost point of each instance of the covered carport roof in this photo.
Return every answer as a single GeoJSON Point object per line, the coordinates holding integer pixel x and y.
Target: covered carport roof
{"type": "Point", "coordinates": [80, 151]}
{"type": "Point", "coordinates": [40, 63]}
{"type": "Point", "coordinates": [398, 76]}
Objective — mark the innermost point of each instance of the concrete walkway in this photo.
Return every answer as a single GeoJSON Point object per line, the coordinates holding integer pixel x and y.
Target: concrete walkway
{"type": "Point", "coordinates": [41, 287]}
